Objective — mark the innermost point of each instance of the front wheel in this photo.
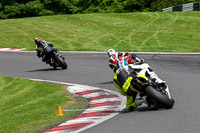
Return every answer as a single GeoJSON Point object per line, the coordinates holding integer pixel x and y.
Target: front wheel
{"type": "Point", "coordinates": [61, 62]}
{"type": "Point", "coordinates": [162, 100]}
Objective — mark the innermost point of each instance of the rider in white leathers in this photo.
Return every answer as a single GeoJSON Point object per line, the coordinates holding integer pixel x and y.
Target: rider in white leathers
{"type": "Point", "coordinates": [137, 64]}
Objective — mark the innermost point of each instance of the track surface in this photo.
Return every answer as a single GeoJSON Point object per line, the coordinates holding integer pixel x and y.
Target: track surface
{"type": "Point", "coordinates": [181, 72]}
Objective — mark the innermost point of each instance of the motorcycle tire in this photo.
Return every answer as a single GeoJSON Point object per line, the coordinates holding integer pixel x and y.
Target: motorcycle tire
{"type": "Point", "coordinates": [61, 62]}
{"type": "Point", "coordinates": [162, 100]}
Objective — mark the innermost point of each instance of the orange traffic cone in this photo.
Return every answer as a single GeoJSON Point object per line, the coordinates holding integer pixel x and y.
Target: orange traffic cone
{"type": "Point", "coordinates": [59, 111]}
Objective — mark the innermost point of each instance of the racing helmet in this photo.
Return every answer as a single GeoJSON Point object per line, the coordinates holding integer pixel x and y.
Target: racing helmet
{"type": "Point", "coordinates": [130, 61]}
{"type": "Point", "coordinates": [111, 52]}
{"type": "Point", "coordinates": [37, 40]}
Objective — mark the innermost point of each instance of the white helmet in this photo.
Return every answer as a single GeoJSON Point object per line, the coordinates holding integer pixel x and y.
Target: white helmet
{"type": "Point", "coordinates": [111, 52]}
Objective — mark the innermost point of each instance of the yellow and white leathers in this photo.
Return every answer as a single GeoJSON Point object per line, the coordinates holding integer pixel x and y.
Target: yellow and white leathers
{"type": "Point", "coordinates": [126, 90]}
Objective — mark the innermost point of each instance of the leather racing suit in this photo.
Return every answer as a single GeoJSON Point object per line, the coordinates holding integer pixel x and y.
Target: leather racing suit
{"type": "Point", "coordinates": [131, 58]}
{"type": "Point", "coordinates": [122, 80]}
{"type": "Point", "coordinates": [40, 48]}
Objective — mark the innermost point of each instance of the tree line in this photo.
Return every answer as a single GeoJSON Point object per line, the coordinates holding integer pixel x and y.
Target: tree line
{"type": "Point", "coordinates": [30, 8]}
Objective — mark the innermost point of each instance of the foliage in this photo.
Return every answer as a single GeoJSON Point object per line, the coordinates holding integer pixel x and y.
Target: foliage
{"type": "Point", "coordinates": [30, 8]}
{"type": "Point", "coordinates": [57, 6]}
{"type": "Point", "coordinates": [118, 6]}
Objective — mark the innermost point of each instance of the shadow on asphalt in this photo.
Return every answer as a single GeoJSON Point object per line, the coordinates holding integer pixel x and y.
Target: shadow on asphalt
{"type": "Point", "coordinates": [45, 69]}
{"type": "Point", "coordinates": [141, 109]}
{"type": "Point", "coordinates": [108, 82]}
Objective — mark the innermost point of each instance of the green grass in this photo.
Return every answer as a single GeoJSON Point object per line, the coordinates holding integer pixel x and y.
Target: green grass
{"type": "Point", "coordinates": [140, 32]}
{"type": "Point", "coordinates": [28, 106]}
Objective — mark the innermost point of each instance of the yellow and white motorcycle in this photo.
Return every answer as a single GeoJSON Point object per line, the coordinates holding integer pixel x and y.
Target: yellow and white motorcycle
{"type": "Point", "coordinates": [156, 95]}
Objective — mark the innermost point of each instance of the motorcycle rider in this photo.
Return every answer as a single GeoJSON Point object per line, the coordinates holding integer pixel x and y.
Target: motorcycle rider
{"type": "Point", "coordinates": [133, 61]}
{"type": "Point", "coordinates": [125, 71]}
{"type": "Point", "coordinates": [40, 46]}
{"type": "Point", "coordinates": [122, 80]}
{"type": "Point", "coordinates": [115, 56]}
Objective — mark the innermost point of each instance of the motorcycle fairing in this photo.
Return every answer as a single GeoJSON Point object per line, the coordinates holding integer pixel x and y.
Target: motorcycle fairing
{"type": "Point", "coordinates": [142, 76]}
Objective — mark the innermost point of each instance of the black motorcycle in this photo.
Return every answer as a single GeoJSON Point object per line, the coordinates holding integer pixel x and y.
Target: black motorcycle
{"type": "Point", "coordinates": [54, 58]}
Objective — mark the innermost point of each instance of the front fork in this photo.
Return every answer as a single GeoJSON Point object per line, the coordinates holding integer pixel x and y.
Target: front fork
{"type": "Point", "coordinates": [168, 93]}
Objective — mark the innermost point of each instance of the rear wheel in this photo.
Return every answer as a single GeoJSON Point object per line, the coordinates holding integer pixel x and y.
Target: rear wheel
{"type": "Point", "coordinates": [162, 100]}
{"type": "Point", "coordinates": [61, 62]}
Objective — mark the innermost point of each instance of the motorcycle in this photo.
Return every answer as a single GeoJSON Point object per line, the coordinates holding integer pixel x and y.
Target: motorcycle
{"type": "Point", "coordinates": [55, 59]}
{"type": "Point", "coordinates": [156, 95]}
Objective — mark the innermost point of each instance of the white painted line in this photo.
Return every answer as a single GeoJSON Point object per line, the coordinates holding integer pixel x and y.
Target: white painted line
{"type": "Point", "coordinates": [147, 53]}
{"type": "Point", "coordinates": [105, 100]}
{"type": "Point", "coordinates": [82, 120]}
{"type": "Point", "coordinates": [96, 94]}
{"type": "Point", "coordinates": [11, 49]}
{"type": "Point", "coordinates": [73, 109]}
{"type": "Point", "coordinates": [102, 108]}
{"type": "Point", "coordinates": [4, 49]}
{"type": "Point", "coordinates": [81, 89]}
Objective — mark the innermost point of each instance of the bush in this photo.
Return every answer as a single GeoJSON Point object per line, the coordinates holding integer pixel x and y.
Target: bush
{"type": "Point", "coordinates": [12, 11]}
{"type": "Point", "coordinates": [45, 12]}
{"type": "Point", "coordinates": [118, 6]}
{"type": "Point", "coordinates": [2, 15]}
{"type": "Point", "coordinates": [33, 8]}
{"type": "Point", "coordinates": [134, 5]}
{"type": "Point", "coordinates": [30, 8]}
{"type": "Point", "coordinates": [1, 7]}
{"type": "Point", "coordinates": [17, 10]}
{"type": "Point", "coordinates": [58, 6]}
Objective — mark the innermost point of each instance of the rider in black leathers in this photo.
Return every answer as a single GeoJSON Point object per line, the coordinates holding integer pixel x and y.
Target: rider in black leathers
{"type": "Point", "coordinates": [40, 48]}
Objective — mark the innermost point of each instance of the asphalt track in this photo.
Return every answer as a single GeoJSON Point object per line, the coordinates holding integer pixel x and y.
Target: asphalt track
{"type": "Point", "coordinates": [181, 72]}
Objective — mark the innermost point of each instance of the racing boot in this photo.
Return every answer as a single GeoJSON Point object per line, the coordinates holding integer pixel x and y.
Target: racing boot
{"type": "Point", "coordinates": [160, 82]}
{"type": "Point", "coordinates": [136, 103]}
{"type": "Point", "coordinates": [140, 101]}
{"type": "Point", "coordinates": [48, 62]}
{"type": "Point", "coordinates": [157, 80]}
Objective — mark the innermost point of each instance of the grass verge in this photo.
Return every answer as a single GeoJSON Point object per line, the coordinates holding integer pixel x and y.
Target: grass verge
{"type": "Point", "coordinates": [139, 32]}
{"type": "Point", "coordinates": [30, 106]}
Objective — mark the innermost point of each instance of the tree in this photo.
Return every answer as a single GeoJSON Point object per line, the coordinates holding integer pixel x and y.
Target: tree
{"type": "Point", "coordinates": [57, 6]}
